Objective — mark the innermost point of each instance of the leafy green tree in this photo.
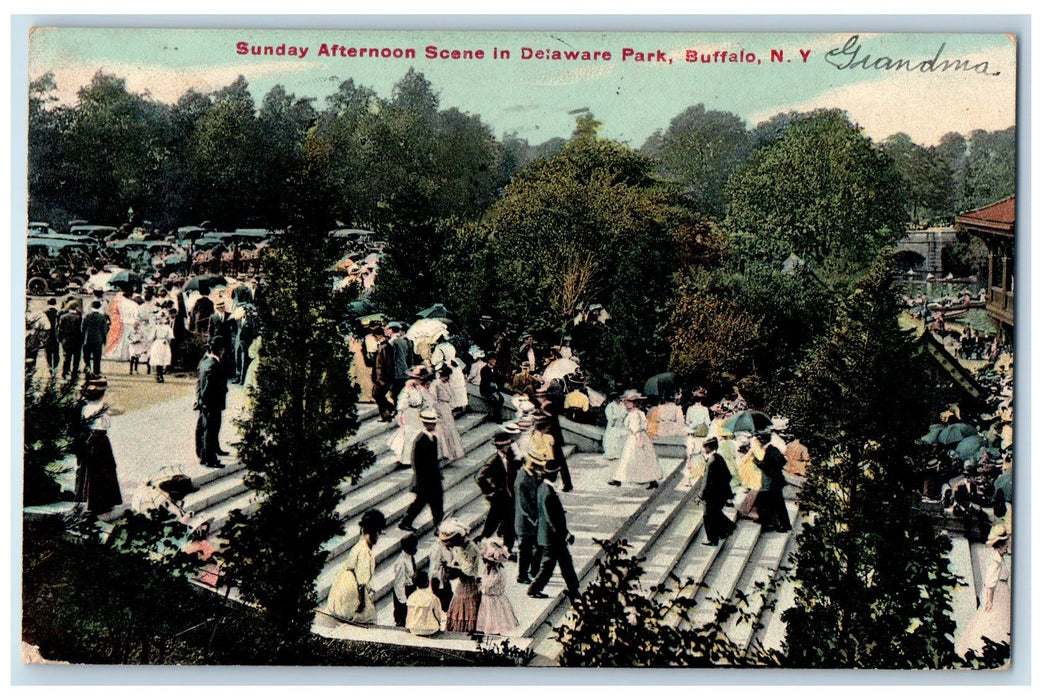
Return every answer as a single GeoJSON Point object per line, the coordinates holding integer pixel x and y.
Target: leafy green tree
{"type": "Point", "coordinates": [52, 418]}
{"type": "Point", "coordinates": [700, 151]}
{"type": "Point", "coordinates": [295, 443]}
{"type": "Point", "coordinates": [225, 157]}
{"type": "Point", "coordinates": [929, 182]}
{"type": "Point", "coordinates": [953, 149]}
{"type": "Point", "coordinates": [49, 126]}
{"type": "Point", "coordinates": [991, 167]}
{"type": "Point", "coordinates": [115, 149]}
{"type": "Point", "coordinates": [590, 224]}
{"type": "Point", "coordinates": [872, 579]}
{"type": "Point", "coordinates": [821, 190]}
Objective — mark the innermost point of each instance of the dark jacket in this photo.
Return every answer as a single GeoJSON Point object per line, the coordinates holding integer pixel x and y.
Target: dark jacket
{"type": "Point", "coordinates": [52, 334]}
{"type": "Point", "coordinates": [717, 489]}
{"type": "Point", "coordinates": [213, 384]}
{"type": "Point", "coordinates": [402, 352]}
{"type": "Point", "coordinates": [553, 525]}
{"type": "Point", "coordinates": [496, 477]}
{"type": "Point", "coordinates": [95, 328]}
{"type": "Point", "coordinates": [526, 503]}
{"type": "Point", "coordinates": [70, 329]}
{"type": "Point", "coordinates": [426, 474]}
{"type": "Point", "coordinates": [383, 364]}
{"type": "Point", "coordinates": [772, 467]}
{"type": "Point", "coordinates": [491, 380]}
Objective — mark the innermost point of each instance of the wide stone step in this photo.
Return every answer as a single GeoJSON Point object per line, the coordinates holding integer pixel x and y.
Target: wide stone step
{"type": "Point", "coordinates": [231, 493]}
{"type": "Point", "coordinates": [772, 551]}
{"type": "Point", "coordinates": [460, 491]}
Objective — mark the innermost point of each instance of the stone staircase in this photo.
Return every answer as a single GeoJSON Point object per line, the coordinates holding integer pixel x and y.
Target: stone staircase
{"type": "Point", "coordinates": [664, 526]}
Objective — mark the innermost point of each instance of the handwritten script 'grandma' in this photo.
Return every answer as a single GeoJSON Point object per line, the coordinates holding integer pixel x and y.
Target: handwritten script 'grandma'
{"type": "Point", "coordinates": [851, 57]}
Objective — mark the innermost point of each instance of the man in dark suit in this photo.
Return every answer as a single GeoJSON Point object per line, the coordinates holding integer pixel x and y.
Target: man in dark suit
{"type": "Point", "coordinates": [402, 348]}
{"type": "Point", "coordinates": [52, 335]}
{"type": "Point", "coordinates": [496, 481]}
{"type": "Point", "coordinates": [715, 494]}
{"type": "Point", "coordinates": [426, 474]}
{"type": "Point", "coordinates": [70, 335]}
{"type": "Point", "coordinates": [553, 406]}
{"type": "Point", "coordinates": [526, 515]}
{"type": "Point", "coordinates": [209, 401]}
{"type": "Point", "coordinates": [491, 384]}
{"type": "Point", "coordinates": [95, 333]}
{"type": "Point", "coordinates": [383, 377]}
{"type": "Point", "coordinates": [554, 539]}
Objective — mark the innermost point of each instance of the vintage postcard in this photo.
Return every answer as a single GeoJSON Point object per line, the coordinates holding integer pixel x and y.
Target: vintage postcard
{"type": "Point", "coordinates": [448, 348]}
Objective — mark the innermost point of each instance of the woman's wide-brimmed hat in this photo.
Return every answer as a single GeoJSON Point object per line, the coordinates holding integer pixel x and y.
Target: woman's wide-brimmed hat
{"type": "Point", "coordinates": [632, 395]}
{"type": "Point", "coordinates": [450, 529]}
{"type": "Point", "coordinates": [999, 533]}
{"type": "Point", "coordinates": [418, 372]}
{"type": "Point", "coordinates": [494, 550]}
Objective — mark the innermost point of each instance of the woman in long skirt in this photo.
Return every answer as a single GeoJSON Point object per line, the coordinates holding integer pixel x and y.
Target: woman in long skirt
{"type": "Point", "coordinates": [992, 619]}
{"type": "Point", "coordinates": [444, 355]}
{"type": "Point", "coordinates": [462, 615]}
{"type": "Point", "coordinates": [671, 419]}
{"type": "Point", "coordinates": [351, 596]}
{"type": "Point", "coordinates": [496, 614]}
{"type": "Point", "coordinates": [639, 463]}
{"type": "Point", "coordinates": [410, 403]}
{"type": "Point", "coordinates": [615, 433]}
{"type": "Point", "coordinates": [96, 482]}
{"type": "Point", "coordinates": [450, 444]}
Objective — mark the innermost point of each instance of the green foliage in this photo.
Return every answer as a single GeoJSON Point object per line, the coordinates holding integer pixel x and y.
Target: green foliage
{"type": "Point", "coordinates": [873, 585]}
{"type": "Point", "coordinates": [991, 167]}
{"type": "Point", "coordinates": [700, 151]}
{"type": "Point", "coordinates": [728, 324]}
{"type": "Point", "coordinates": [821, 190]}
{"type": "Point", "coordinates": [293, 443]}
{"type": "Point", "coordinates": [589, 224]}
{"type": "Point", "coordinates": [928, 180]}
{"type": "Point", "coordinates": [121, 597]}
{"type": "Point", "coordinates": [618, 623]}
{"type": "Point", "coordinates": [52, 417]}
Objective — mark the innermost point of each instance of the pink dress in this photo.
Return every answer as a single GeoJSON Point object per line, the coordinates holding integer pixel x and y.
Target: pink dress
{"type": "Point", "coordinates": [496, 614]}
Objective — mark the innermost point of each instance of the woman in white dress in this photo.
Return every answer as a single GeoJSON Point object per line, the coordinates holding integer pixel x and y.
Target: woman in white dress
{"type": "Point", "coordinates": [444, 355]}
{"type": "Point", "coordinates": [639, 463]}
{"type": "Point", "coordinates": [410, 403]}
{"type": "Point", "coordinates": [992, 619]}
{"type": "Point", "coordinates": [351, 596]}
{"type": "Point", "coordinates": [615, 433]}
{"type": "Point", "coordinates": [450, 444]}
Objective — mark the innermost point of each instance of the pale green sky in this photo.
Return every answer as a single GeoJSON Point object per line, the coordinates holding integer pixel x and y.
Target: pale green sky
{"type": "Point", "coordinates": [534, 97]}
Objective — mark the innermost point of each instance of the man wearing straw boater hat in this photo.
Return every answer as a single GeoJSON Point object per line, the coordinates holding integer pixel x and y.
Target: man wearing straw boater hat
{"type": "Point", "coordinates": [526, 513]}
{"type": "Point", "coordinates": [426, 474]}
{"type": "Point", "coordinates": [496, 481]}
{"type": "Point", "coordinates": [553, 537]}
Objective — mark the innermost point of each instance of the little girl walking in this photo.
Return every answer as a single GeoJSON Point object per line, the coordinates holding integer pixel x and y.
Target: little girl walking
{"type": "Point", "coordinates": [496, 614]}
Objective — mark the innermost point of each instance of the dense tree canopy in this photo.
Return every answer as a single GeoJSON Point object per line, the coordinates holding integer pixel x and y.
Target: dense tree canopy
{"type": "Point", "coordinates": [873, 586]}
{"type": "Point", "coordinates": [699, 151]}
{"type": "Point", "coordinates": [822, 190]}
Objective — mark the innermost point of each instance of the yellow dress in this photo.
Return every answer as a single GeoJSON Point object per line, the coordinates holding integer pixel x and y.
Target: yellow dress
{"type": "Point", "coordinates": [343, 596]}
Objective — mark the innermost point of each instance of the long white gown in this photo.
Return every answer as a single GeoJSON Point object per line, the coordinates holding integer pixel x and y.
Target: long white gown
{"type": "Point", "coordinates": [410, 403]}
{"type": "Point", "coordinates": [615, 433]}
{"type": "Point", "coordinates": [450, 444]}
{"type": "Point", "coordinates": [445, 354]}
{"type": "Point", "coordinates": [639, 463]}
{"type": "Point", "coordinates": [994, 623]}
